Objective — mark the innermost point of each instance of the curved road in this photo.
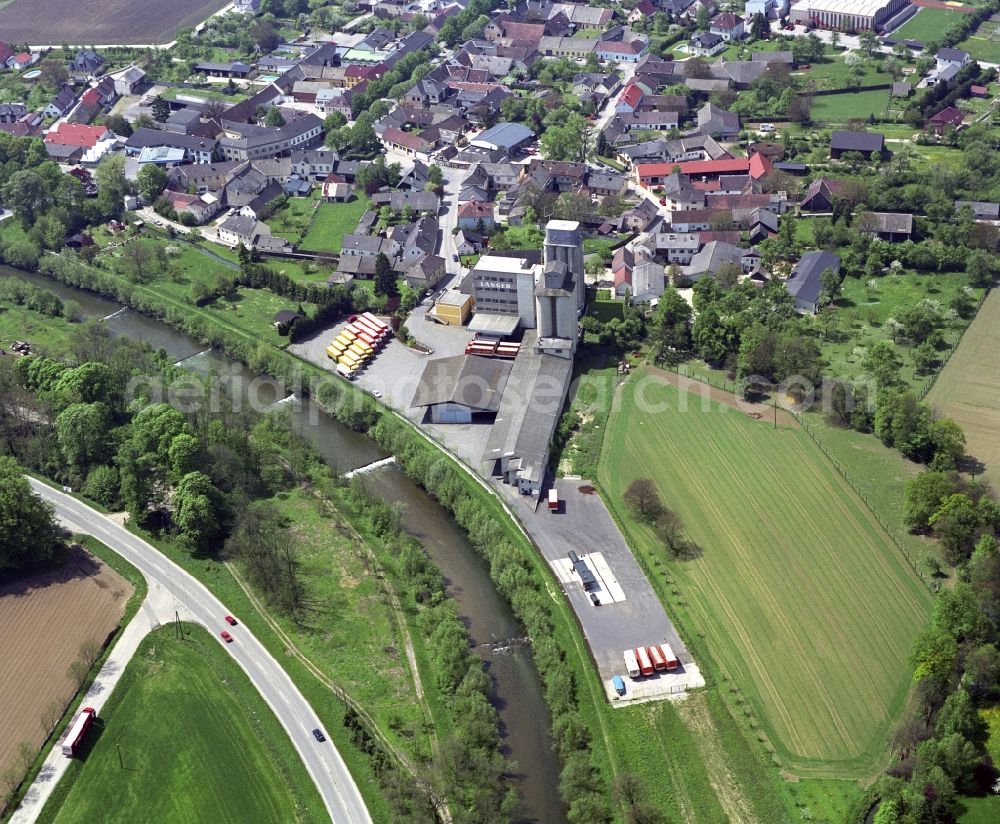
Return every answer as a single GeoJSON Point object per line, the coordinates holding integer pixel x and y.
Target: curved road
{"type": "Point", "coordinates": [335, 784]}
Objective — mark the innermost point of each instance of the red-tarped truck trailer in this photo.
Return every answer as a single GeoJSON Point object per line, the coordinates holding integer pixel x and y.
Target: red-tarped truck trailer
{"type": "Point", "coordinates": [645, 664]}
{"type": "Point", "coordinates": [76, 730]}
{"type": "Point", "coordinates": [669, 657]}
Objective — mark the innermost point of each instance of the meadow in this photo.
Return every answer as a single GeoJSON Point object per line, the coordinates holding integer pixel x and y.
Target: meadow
{"type": "Point", "coordinates": [228, 759]}
{"type": "Point", "coordinates": [968, 388]}
{"type": "Point", "coordinates": [797, 595]}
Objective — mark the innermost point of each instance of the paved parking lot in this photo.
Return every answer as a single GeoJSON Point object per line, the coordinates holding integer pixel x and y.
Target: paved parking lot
{"type": "Point", "coordinates": [583, 524]}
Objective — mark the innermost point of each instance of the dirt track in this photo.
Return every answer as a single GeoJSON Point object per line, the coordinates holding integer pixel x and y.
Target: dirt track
{"type": "Point", "coordinates": [696, 387]}
{"type": "Point", "coordinates": [45, 619]}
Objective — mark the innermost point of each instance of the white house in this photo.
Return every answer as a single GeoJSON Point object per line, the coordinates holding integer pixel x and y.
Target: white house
{"type": "Point", "coordinates": [706, 44]}
{"type": "Point", "coordinates": [728, 26]}
{"type": "Point", "coordinates": [952, 57]}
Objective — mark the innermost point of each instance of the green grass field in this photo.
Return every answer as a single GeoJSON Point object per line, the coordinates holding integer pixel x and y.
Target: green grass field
{"type": "Point", "coordinates": [836, 108]}
{"type": "Point", "coordinates": [799, 596]}
{"type": "Point", "coordinates": [926, 24]}
{"type": "Point", "coordinates": [197, 743]}
{"type": "Point", "coordinates": [331, 222]}
{"type": "Point", "coordinates": [982, 48]}
{"type": "Point", "coordinates": [984, 810]}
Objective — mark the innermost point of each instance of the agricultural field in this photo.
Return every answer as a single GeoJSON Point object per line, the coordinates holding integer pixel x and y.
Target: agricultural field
{"type": "Point", "coordinates": [45, 619]}
{"type": "Point", "coordinates": [228, 759]}
{"type": "Point", "coordinates": [110, 22]}
{"type": "Point", "coordinates": [801, 600]}
{"type": "Point", "coordinates": [330, 223]}
{"type": "Point", "coordinates": [926, 24]}
{"type": "Point", "coordinates": [968, 388]}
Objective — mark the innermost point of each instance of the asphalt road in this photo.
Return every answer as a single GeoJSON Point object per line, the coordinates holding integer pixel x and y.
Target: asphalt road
{"type": "Point", "coordinates": [195, 603]}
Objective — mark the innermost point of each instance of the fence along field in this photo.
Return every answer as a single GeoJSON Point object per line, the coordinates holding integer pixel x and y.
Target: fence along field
{"type": "Point", "coordinates": [968, 388]}
{"type": "Point", "coordinates": [802, 599]}
{"type": "Point", "coordinates": [44, 620]}
{"type": "Point", "coordinates": [108, 22]}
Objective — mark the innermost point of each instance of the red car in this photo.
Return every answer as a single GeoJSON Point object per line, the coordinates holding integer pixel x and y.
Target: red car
{"type": "Point", "coordinates": [663, 201]}
{"type": "Point", "coordinates": [226, 637]}
{"type": "Point", "coordinates": [230, 620]}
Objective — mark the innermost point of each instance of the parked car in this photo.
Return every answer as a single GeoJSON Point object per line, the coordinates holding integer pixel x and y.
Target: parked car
{"type": "Point", "coordinates": [226, 637]}
{"type": "Point", "coordinates": [318, 735]}
{"type": "Point", "coordinates": [454, 257]}
{"type": "Point", "coordinates": [594, 599]}
{"type": "Point", "coordinates": [230, 620]}
{"type": "Point", "coordinates": [766, 127]}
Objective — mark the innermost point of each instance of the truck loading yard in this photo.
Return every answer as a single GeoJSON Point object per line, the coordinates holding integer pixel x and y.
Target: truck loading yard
{"type": "Point", "coordinates": [629, 616]}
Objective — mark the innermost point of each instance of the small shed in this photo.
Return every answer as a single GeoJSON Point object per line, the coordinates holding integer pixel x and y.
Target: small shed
{"type": "Point", "coordinates": [284, 319]}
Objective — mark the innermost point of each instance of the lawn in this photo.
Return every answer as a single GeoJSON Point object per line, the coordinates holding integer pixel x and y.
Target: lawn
{"type": "Point", "coordinates": [800, 598]}
{"type": "Point", "coordinates": [968, 388]}
{"type": "Point", "coordinates": [836, 108]}
{"type": "Point", "coordinates": [331, 222]}
{"type": "Point", "coordinates": [606, 310]}
{"type": "Point", "coordinates": [197, 743]}
{"type": "Point", "coordinates": [926, 24]}
{"type": "Point", "coordinates": [982, 48]}
{"type": "Point", "coordinates": [984, 810]}
{"type": "Point", "coordinates": [834, 72]}
{"type": "Point", "coordinates": [292, 220]}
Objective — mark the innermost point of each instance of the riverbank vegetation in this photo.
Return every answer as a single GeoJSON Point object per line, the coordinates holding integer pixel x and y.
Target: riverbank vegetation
{"type": "Point", "coordinates": [285, 525]}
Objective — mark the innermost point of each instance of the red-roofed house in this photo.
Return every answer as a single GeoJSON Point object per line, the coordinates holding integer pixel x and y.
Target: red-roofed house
{"type": "Point", "coordinates": [406, 142]}
{"type": "Point", "coordinates": [620, 51]}
{"type": "Point", "coordinates": [471, 213]}
{"type": "Point", "coordinates": [943, 119]}
{"type": "Point", "coordinates": [760, 166]}
{"type": "Point", "coordinates": [76, 134]}
{"type": "Point", "coordinates": [644, 9]}
{"type": "Point", "coordinates": [979, 91]}
{"type": "Point", "coordinates": [728, 26]}
{"type": "Point", "coordinates": [90, 105]}
{"type": "Point", "coordinates": [22, 61]}
{"type": "Point", "coordinates": [629, 99]}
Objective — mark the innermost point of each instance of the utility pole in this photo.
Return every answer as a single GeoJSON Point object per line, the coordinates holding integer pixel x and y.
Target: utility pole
{"type": "Point", "coordinates": [177, 623]}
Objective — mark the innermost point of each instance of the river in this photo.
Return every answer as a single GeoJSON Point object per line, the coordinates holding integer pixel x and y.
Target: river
{"type": "Point", "coordinates": [519, 697]}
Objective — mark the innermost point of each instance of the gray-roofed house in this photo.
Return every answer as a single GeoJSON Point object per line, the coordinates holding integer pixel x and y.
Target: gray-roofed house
{"type": "Point", "coordinates": [86, 63]}
{"type": "Point", "coordinates": [361, 245]}
{"type": "Point", "coordinates": [711, 258]}
{"type": "Point", "coordinates": [981, 210]}
{"type": "Point", "coordinates": [804, 283]}
{"type": "Point", "coordinates": [842, 141]}
{"type": "Point", "coordinates": [894, 227]}
{"type": "Point", "coordinates": [705, 44]}
{"type": "Point", "coordinates": [250, 232]}
{"type": "Point", "coordinates": [718, 122]}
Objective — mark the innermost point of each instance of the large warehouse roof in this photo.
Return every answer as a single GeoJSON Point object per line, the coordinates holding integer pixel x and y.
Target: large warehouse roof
{"type": "Point", "coordinates": [503, 136]}
{"type": "Point", "coordinates": [862, 8]}
{"type": "Point", "coordinates": [467, 380]}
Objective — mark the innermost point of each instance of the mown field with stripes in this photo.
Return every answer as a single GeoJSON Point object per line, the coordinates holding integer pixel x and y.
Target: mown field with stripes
{"type": "Point", "coordinates": [798, 596]}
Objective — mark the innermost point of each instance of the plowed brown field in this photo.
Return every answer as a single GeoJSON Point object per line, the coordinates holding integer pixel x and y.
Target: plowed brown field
{"type": "Point", "coordinates": [109, 22]}
{"type": "Point", "coordinates": [43, 621]}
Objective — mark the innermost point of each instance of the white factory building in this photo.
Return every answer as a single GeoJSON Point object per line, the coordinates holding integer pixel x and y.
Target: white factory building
{"type": "Point", "coordinates": [846, 15]}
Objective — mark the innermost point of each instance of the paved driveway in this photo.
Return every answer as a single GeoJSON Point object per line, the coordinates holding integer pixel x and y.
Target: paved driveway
{"type": "Point", "coordinates": [584, 525]}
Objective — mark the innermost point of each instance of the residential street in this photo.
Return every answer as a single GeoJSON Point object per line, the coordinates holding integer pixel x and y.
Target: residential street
{"type": "Point", "coordinates": [193, 602]}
